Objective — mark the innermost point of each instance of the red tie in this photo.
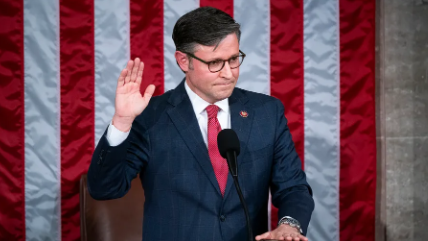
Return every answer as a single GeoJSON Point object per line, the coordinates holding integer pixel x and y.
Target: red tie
{"type": "Point", "coordinates": [219, 163]}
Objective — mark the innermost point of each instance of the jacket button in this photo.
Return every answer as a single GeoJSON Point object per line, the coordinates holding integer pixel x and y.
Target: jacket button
{"type": "Point", "coordinates": [222, 218]}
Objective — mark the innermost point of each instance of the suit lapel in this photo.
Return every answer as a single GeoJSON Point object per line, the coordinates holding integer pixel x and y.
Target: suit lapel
{"type": "Point", "coordinates": [184, 119]}
{"type": "Point", "coordinates": [241, 125]}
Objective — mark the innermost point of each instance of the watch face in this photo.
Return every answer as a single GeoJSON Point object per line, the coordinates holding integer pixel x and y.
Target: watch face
{"type": "Point", "coordinates": [292, 222]}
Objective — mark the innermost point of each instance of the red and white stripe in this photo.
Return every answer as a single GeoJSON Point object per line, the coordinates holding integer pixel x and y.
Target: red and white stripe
{"type": "Point", "coordinates": [59, 61]}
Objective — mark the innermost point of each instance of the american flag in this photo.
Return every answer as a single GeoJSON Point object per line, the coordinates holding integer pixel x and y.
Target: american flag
{"type": "Point", "coordinates": [59, 61]}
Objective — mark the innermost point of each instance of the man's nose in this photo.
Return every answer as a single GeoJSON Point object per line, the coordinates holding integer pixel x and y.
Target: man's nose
{"type": "Point", "coordinates": [226, 72]}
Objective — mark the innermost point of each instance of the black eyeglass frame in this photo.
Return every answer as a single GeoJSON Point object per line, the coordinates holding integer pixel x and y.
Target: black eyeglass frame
{"type": "Point", "coordinates": [242, 54]}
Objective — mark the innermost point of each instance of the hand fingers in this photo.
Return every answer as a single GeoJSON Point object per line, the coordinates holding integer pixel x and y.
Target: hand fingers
{"type": "Point", "coordinates": [129, 67]}
{"type": "Point", "coordinates": [121, 80]}
{"type": "Point", "coordinates": [299, 237]}
{"type": "Point", "coordinates": [135, 69]}
{"type": "Point", "coordinates": [262, 236]}
{"type": "Point", "coordinates": [287, 236]}
{"type": "Point", "coordinates": [140, 73]}
{"type": "Point", "coordinates": [294, 237]}
{"type": "Point", "coordinates": [303, 238]}
{"type": "Point", "coordinates": [149, 92]}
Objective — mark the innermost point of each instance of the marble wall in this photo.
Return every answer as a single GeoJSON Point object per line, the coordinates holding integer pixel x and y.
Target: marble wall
{"type": "Point", "coordinates": [402, 120]}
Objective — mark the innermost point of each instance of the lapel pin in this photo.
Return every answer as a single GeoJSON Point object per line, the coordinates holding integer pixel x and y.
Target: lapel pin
{"type": "Point", "coordinates": [243, 113]}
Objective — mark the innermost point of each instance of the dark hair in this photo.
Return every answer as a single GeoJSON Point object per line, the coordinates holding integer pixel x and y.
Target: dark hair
{"type": "Point", "coordinates": [206, 26]}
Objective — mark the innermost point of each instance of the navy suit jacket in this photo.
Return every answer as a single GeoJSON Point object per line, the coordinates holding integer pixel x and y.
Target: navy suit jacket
{"type": "Point", "coordinates": [183, 199]}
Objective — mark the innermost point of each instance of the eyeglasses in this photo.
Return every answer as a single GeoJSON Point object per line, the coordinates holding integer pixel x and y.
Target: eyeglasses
{"type": "Point", "coordinates": [218, 64]}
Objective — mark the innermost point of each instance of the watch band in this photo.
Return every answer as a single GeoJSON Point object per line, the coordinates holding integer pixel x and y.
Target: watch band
{"type": "Point", "coordinates": [292, 222]}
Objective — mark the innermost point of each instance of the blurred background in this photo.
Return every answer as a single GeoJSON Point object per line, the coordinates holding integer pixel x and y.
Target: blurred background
{"type": "Point", "coordinates": [401, 119]}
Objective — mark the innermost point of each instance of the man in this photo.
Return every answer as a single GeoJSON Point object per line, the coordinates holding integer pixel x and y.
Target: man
{"type": "Point", "coordinates": [171, 141]}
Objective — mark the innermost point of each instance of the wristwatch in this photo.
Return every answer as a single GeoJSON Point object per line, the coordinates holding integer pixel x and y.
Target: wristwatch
{"type": "Point", "coordinates": [292, 222]}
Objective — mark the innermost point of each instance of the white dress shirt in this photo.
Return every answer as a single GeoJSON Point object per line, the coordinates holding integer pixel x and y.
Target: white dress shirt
{"type": "Point", "coordinates": [116, 137]}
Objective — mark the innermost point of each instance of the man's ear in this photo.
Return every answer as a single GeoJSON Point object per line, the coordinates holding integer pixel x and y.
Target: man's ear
{"type": "Point", "coordinates": [182, 61]}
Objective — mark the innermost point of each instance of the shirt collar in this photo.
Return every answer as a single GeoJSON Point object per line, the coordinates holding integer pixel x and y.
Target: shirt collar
{"type": "Point", "coordinates": [199, 105]}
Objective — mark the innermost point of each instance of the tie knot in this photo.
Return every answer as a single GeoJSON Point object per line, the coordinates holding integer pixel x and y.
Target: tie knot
{"type": "Point", "coordinates": [212, 111]}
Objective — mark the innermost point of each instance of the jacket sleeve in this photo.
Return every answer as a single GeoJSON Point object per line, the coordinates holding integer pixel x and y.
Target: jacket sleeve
{"type": "Point", "coordinates": [291, 193]}
{"type": "Point", "coordinates": [113, 168]}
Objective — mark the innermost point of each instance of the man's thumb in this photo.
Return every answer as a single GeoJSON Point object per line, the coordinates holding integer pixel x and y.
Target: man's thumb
{"type": "Point", "coordinates": [149, 91]}
{"type": "Point", "coordinates": [261, 236]}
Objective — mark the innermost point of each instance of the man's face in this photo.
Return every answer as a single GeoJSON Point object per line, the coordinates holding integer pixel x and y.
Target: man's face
{"type": "Point", "coordinates": [213, 87]}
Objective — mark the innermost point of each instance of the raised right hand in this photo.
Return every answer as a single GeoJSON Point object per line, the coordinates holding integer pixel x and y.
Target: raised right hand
{"type": "Point", "coordinates": [129, 102]}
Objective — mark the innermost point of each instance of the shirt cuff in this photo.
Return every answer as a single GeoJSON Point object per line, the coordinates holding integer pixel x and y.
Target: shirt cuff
{"type": "Point", "coordinates": [114, 136]}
